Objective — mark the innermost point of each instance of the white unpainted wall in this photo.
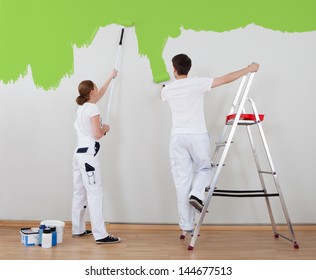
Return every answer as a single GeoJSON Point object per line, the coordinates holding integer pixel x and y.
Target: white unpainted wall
{"type": "Point", "coordinates": [38, 138]}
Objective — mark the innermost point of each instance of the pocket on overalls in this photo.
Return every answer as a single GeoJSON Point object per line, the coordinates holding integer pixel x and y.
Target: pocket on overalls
{"type": "Point", "coordinates": [96, 148]}
{"type": "Point", "coordinates": [82, 150]}
{"type": "Point", "coordinates": [90, 173]}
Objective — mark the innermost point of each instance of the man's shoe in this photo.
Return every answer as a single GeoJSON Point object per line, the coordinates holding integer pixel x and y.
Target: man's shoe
{"type": "Point", "coordinates": [196, 203]}
{"type": "Point", "coordinates": [87, 232]}
{"type": "Point", "coordinates": [108, 240]}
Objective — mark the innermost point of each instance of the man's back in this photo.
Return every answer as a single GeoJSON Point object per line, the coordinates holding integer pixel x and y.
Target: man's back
{"type": "Point", "coordinates": [186, 100]}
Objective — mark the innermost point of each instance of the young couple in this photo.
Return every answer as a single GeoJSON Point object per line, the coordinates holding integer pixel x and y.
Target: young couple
{"type": "Point", "coordinates": [189, 147]}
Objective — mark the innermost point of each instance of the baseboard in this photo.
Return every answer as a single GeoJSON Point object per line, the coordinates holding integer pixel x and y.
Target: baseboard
{"type": "Point", "coordinates": [239, 227]}
{"type": "Point", "coordinates": [154, 227]}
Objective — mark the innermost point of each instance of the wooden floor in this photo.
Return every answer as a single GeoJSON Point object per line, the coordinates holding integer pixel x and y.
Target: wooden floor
{"type": "Point", "coordinates": [163, 243]}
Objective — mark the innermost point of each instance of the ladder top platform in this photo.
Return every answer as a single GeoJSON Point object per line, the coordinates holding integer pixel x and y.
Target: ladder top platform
{"type": "Point", "coordinates": [244, 118]}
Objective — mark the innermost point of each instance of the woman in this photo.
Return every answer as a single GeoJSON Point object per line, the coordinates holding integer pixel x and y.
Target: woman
{"type": "Point", "coordinates": [86, 166]}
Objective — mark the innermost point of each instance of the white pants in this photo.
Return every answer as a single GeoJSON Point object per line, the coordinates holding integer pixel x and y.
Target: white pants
{"type": "Point", "coordinates": [87, 191]}
{"type": "Point", "coordinates": [191, 170]}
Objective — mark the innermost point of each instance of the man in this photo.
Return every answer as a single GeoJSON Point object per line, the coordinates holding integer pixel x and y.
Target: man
{"type": "Point", "coordinates": [190, 141]}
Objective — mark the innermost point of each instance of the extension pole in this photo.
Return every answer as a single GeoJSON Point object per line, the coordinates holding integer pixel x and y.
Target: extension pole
{"type": "Point", "coordinates": [118, 55]}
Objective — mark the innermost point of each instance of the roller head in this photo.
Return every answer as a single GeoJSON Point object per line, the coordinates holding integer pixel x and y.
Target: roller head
{"type": "Point", "coordinates": [162, 78]}
{"type": "Point", "coordinates": [125, 22]}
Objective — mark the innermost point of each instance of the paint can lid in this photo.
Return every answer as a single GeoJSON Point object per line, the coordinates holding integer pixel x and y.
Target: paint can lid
{"type": "Point", "coordinates": [47, 230]}
{"type": "Point", "coordinates": [52, 228]}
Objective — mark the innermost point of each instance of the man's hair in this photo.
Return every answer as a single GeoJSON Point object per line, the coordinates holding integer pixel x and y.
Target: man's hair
{"type": "Point", "coordinates": [182, 64]}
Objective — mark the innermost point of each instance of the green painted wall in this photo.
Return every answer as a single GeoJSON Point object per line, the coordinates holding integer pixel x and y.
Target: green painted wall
{"type": "Point", "coordinates": [42, 33]}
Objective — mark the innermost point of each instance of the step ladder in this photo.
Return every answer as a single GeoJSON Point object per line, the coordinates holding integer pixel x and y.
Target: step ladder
{"type": "Point", "coordinates": [236, 117]}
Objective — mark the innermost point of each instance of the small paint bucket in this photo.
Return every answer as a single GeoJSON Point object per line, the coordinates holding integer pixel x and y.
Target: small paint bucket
{"type": "Point", "coordinates": [59, 228]}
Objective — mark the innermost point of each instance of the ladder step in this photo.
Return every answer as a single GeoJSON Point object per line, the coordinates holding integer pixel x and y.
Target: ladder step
{"type": "Point", "coordinates": [267, 172]}
{"type": "Point", "coordinates": [222, 144]}
{"type": "Point", "coordinates": [216, 164]}
{"type": "Point", "coordinates": [207, 189]}
{"type": "Point", "coordinates": [244, 119]}
{"type": "Point", "coordinates": [242, 122]}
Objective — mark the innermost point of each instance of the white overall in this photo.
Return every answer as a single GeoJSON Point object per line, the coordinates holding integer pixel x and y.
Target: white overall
{"type": "Point", "coordinates": [87, 191]}
{"type": "Point", "coordinates": [190, 152]}
{"type": "Point", "coordinates": [189, 143]}
{"type": "Point", "coordinates": [87, 176]}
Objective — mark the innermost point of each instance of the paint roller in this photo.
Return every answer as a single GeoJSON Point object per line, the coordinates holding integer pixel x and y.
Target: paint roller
{"type": "Point", "coordinates": [162, 78]}
{"type": "Point", "coordinates": [118, 55]}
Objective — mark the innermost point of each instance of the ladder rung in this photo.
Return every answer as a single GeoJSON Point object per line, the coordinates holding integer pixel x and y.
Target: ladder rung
{"type": "Point", "coordinates": [267, 172]}
{"type": "Point", "coordinates": [207, 189]}
{"type": "Point", "coordinates": [242, 122]}
{"type": "Point", "coordinates": [222, 144]}
{"type": "Point", "coordinates": [239, 191]}
{"type": "Point", "coordinates": [216, 164]}
{"type": "Point", "coordinates": [244, 118]}
{"type": "Point", "coordinates": [283, 236]}
{"type": "Point", "coordinates": [243, 193]}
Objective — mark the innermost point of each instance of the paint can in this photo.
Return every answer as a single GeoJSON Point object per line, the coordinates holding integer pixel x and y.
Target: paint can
{"type": "Point", "coordinates": [54, 235]}
{"type": "Point", "coordinates": [60, 225]}
{"type": "Point", "coordinates": [41, 230]}
{"type": "Point", "coordinates": [47, 238]}
{"type": "Point", "coordinates": [29, 236]}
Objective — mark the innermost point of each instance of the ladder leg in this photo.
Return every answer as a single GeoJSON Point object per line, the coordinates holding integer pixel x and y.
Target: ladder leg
{"type": "Point", "coordinates": [277, 184]}
{"type": "Point", "coordinates": [202, 215]}
{"type": "Point", "coordinates": [254, 152]}
{"type": "Point", "coordinates": [232, 109]}
{"type": "Point", "coordinates": [274, 174]}
{"type": "Point", "coordinates": [212, 187]}
{"type": "Point", "coordinates": [183, 234]}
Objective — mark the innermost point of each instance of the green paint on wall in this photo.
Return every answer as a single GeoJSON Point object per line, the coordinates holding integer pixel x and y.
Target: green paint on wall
{"type": "Point", "coordinates": [42, 33]}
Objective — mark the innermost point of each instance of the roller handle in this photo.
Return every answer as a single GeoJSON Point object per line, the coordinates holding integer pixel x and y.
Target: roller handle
{"type": "Point", "coordinates": [116, 68]}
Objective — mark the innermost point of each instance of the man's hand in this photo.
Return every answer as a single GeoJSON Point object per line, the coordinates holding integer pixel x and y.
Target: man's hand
{"type": "Point", "coordinates": [253, 67]}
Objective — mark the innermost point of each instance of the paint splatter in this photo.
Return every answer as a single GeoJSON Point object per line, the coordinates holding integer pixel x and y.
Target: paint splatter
{"type": "Point", "coordinates": [42, 34]}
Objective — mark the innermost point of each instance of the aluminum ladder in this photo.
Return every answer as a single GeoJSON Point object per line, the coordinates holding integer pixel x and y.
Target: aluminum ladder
{"type": "Point", "coordinates": [237, 116]}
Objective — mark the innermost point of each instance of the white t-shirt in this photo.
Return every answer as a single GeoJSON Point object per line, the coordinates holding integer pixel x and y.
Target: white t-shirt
{"type": "Point", "coordinates": [83, 124]}
{"type": "Point", "coordinates": [186, 100]}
